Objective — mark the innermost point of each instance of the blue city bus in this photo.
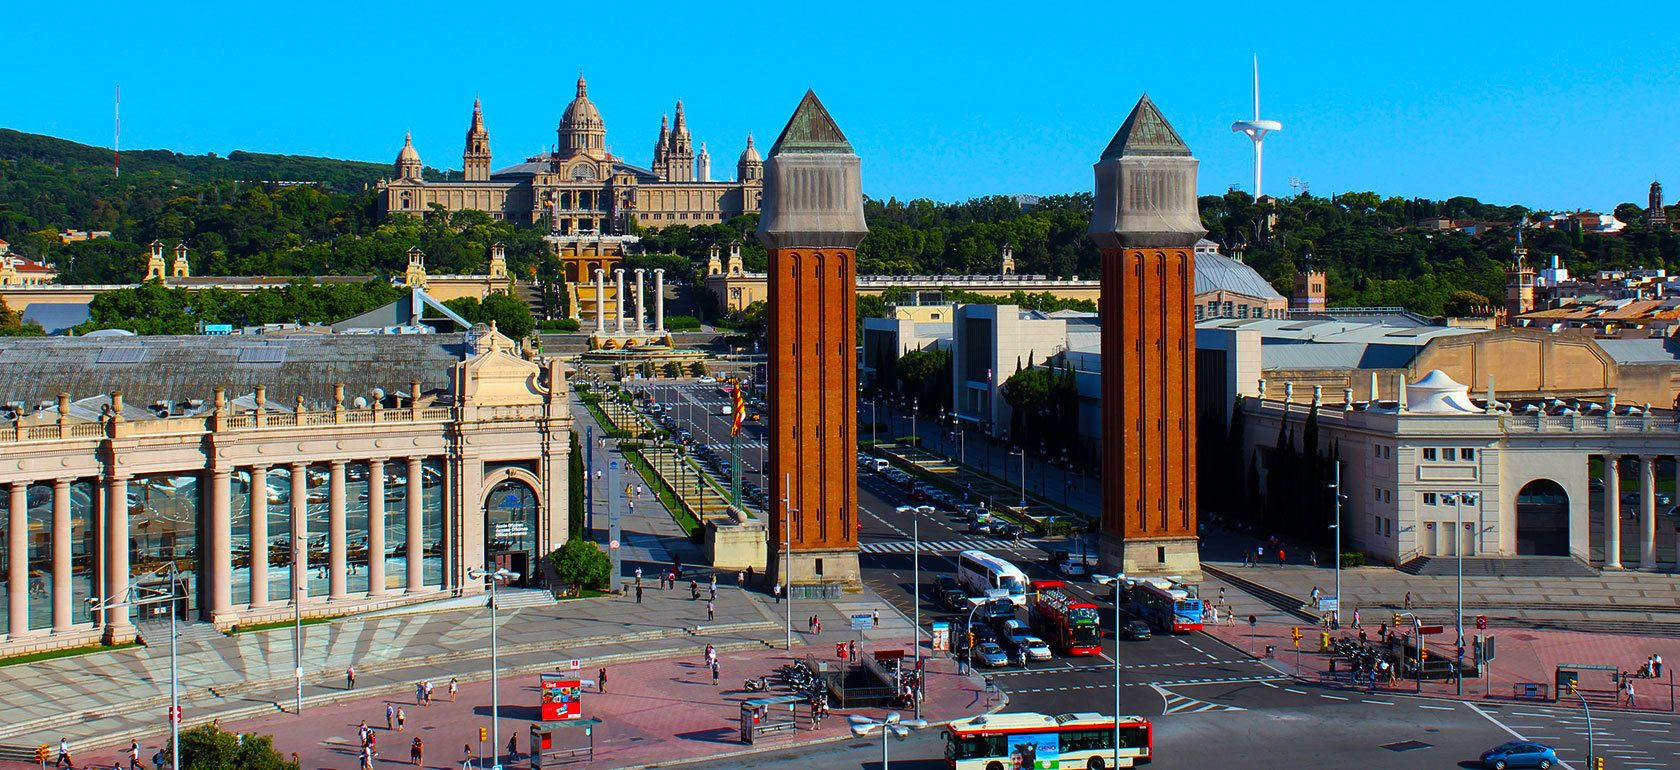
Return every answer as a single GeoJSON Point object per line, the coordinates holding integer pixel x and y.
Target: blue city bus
{"type": "Point", "coordinates": [1166, 605]}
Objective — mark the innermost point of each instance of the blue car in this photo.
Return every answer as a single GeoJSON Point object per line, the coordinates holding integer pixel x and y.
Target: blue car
{"type": "Point", "coordinates": [1519, 754]}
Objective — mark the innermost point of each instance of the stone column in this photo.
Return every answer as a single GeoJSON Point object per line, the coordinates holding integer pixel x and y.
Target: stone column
{"type": "Point", "coordinates": [259, 536]}
{"type": "Point", "coordinates": [61, 556]}
{"type": "Point", "coordinates": [1647, 512]}
{"type": "Point", "coordinates": [416, 545]}
{"type": "Point", "coordinates": [600, 301]}
{"type": "Point", "coordinates": [17, 560]}
{"type": "Point", "coordinates": [336, 535]}
{"type": "Point", "coordinates": [300, 532]}
{"type": "Point", "coordinates": [618, 277]}
{"type": "Point", "coordinates": [1612, 513]}
{"type": "Point", "coordinates": [376, 528]}
{"type": "Point", "coordinates": [641, 306]}
{"type": "Point", "coordinates": [219, 561]}
{"type": "Point", "coordinates": [116, 550]}
{"type": "Point", "coordinates": [659, 301]}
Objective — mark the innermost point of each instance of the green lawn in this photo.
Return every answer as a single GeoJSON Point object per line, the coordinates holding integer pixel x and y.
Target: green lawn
{"type": "Point", "coordinates": [36, 657]}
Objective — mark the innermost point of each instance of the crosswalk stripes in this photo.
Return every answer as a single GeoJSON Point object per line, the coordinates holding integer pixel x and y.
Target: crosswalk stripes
{"type": "Point", "coordinates": [1178, 704]}
{"type": "Point", "coordinates": [907, 546]}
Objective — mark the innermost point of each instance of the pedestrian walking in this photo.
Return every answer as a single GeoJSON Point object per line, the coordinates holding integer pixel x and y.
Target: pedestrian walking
{"type": "Point", "coordinates": [1315, 595]}
{"type": "Point", "coordinates": [818, 622]}
{"type": "Point", "coordinates": [776, 591]}
{"type": "Point", "coordinates": [713, 596]}
{"type": "Point", "coordinates": [1656, 666]}
{"type": "Point", "coordinates": [1280, 557]}
{"type": "Point", "coordinates": [714, 583]}
{"type": "Point", "coordinates": [1627, 689]}
{"type": "Point", "coordinates": [711, 613]}
{"type": "Point", "coordinates": [1408, 600]}
{"type": "Point", "coordinates": [428, 692]}
{"type": "Point", "coordinates": [366, 758]}
{"type": "Point", "coordinates": [415, 750]}
{"type": "Point", "coordinates": [466, 756]}
{"type": "Point", "coordinates": [741, 578]}
{"type": "Point", "coordinates": [349, 677]}
{"type": "Point", "coordinates": [1356, 619]}
{"type": "Point", "coordinates": [390, 715]}
{"type": "Point", "coordinates": [1222, 594]}
{"type": "Point", "coordinates": [602, 678]}
{"type": "Point", "coordinates": [714, 673]}
{"type": "Point", "coordinates": [419, 694]}
{"type": "Point", "coordinates": [1312, 558]}
{"type": "Point", "coordinates": [64, 754]}
{"type": "Point", "coordinates": [638, 593]}
{"type": "Point", "coordinates": [454, 687]}
{"type": "Point", "coordinates": [513, 748]}
{"type": "Point", "coordinates": [134, 755]}
{"type": "Point", "coordinates": [158, 760]}
{"type": "Point", "coordinates": [851, 651]}
{"type": "Point", "coordinates": [875, 617]}
{"type": "Point", "coordinates": [749, 575]}
{"type": "Point", "coordinates": [711, 654]}
{"type": "Point", "coordinates": [693, 590]}
{"type": "Point", "coordinates": [1259, 551]}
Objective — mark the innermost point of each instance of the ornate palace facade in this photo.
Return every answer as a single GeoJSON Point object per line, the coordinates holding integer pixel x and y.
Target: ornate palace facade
{"type": "Point", "coordinates": [580, 187]}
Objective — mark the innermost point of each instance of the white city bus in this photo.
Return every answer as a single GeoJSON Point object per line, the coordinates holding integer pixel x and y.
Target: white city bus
{"type": "Point", "coordinates": [981, 573]}
{"type": "Point", "coordinates": [1021, 740]}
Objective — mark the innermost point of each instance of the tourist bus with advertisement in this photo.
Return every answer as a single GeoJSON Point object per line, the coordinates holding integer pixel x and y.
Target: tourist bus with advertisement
{"type": "Point", "coordinates": [1011, 740]}
{"type": "Point", "coordinates": [1166, 604]}
{"type": "Point", "coordinates": [981, 573]}
{"type": "Point", "coordinates": [1069, 624]}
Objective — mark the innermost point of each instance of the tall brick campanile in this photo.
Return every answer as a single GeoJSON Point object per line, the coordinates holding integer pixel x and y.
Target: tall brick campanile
{"type": "Point", "coordinates": [1146, 225]}
{"type": "Point", "coordinates": [812, 222]}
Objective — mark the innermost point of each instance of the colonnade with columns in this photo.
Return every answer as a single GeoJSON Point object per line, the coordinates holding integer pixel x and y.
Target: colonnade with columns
{"type": "Point", "coordinates": [1646, 516]}
{"type": "Point", "coordinates": [625, 328]}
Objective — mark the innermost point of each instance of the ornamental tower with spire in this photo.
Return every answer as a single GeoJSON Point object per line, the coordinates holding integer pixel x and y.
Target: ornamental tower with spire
{"type": "Point", "coordinates": [1656, 217]}
{"type": "Point", "coordinates": [1145, 224]}
{"type": "Point", "coordinates": [661, 166]}
{"type": "Point", "coordinates": [408, 159]}
{"type": "Point", "coordinates": [581, 128]}
{"type": "Point", "coordinates": [811, 225]}
{"type": "Point", "coordinates": [475, 159]}
{"type": "Point", "coordinates": [750, 168]}
{"type": "Point", "coordinates": [1519, 280]}
{"type": "Point", "coordinates": [703, 162]}
{"type": "Point", "coordinates": [679, 152]}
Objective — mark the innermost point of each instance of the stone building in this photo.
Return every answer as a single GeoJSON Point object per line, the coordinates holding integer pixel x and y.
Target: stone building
{"type": "Point", "coordinates": [581, 187]}
{"type": "Point", "coordinates": [344, 472]}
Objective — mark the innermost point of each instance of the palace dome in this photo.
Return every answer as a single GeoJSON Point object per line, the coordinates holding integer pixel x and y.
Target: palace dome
{"type": "Point", "coordinates": [581, 114]}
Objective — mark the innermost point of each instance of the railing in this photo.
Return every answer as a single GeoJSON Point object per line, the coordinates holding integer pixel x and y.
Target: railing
{"type": "Point", "coordinates": [1592, 423]}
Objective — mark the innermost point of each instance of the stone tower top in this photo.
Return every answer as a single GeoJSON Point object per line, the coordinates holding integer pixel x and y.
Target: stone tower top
{"type": "Point", "coordinates": [1146, 186]}
{"type": "Point", "coordinates": [813, 185]}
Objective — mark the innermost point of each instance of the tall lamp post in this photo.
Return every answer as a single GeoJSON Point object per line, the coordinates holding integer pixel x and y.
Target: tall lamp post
{"type": "Point", "coordinates": [494, 577]}
{"type": "Point", "coordinates": [913, 440]}
{"type": "Point", "coordinates": [1023, 453]}
{"type": "Point", "coordinates": [916, 561]}
{"type": "Point", "coordinates": [787, 555]}
{"type": "Point", "coordinates": [1114, 582]}
{"type": "Point", "coordinates": [1337, 526]}
{"type": "Point", "coordinates": [893, 724]}
{"type": "Point", "coordinates": [138, 595]}
{"type": "Point", "coordinates": [1458, 499]}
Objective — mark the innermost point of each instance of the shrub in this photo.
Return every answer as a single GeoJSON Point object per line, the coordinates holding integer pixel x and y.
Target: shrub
{"type": "Point", "coordinates": [1353, 559]}
{"type": "Point", "coordinates": [682, 323]}
{"type": "Point", "coordinates": [698, 369]}
{"type": "Point", "coordinates": [581, 564]}
{"type": "Point", "coordinates": [559, 325]}
{"type": "Point", "coordinates": [208, 747]}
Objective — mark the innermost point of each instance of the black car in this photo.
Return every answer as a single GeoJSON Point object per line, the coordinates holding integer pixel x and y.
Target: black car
{"type": "Point", "coordinates": [1135, 630]}
{"type": "Point", "coordinates": [946, 583]}
{"type": "Point", "coordinates": [955, 600]}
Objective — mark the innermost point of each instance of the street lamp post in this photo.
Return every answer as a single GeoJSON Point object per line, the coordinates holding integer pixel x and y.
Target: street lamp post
{"type": "Point", "coordinates": [1113, 583]}
{"type": "Point", "coordinates": [913, 439]}
{"type": "Point", "coordinates": [787, 555]}
{"type": "Point", "coordinates": [494, 578]}
{"type": "Point", "coordinates": [1337, 556]}
{"type": "Point", "coordinates": [916, 638]}
{"type": "Point", "coordinates": [1458, 499]}
{"type": "Point", "coordinates": [1023, 453]}
{"type": "Point", "coordinates": [137, 595]}
{"type": "Point", "coordinates": [893, 724]}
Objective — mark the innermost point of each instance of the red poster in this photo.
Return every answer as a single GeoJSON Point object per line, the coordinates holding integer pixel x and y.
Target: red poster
{"type": "Point", "coordinates": [562, 698]}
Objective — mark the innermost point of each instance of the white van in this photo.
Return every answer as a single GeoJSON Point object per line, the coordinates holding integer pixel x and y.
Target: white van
{"type": "Point", "coordinates": [879, 465]}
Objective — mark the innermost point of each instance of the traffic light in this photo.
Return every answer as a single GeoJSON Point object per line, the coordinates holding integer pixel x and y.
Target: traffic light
{"type": "Point", "coordinates": [1396, 622]}
{"type": "Point", "coordinates": [42, 754]}
{"type": "Point", "coordinates": [484, 733]}
{"type": "Point", "coordinates": [1295, 633]}
{"type": "Point", "coordinates": [1423, 653]}
{"type": "Point", "coordinates": [1598, 763]}
{"type": "Point", "coordinates": [1571, 687]}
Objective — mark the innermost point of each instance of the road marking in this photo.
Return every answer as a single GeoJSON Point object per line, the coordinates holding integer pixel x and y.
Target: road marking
{"type": "Point", "coordinates": [1378, 702]}
{"type": "Point", "coordinates": [1529, 714]}
{"type": "Point", "coordinates": [1179, 704]}
{"type": "Point", "coordinates": [1269, 684]}
{"type": "Point", "coordinates": [1293, 690]}
{"type": "Point", "coordinates": [1649, 722]}
{"type": "Point", "coordinates": [1436, 708]}
{"type": "Point", "coordinates": [1649, 730]}
{"type": "Point", "coordinates": [1331, 697]}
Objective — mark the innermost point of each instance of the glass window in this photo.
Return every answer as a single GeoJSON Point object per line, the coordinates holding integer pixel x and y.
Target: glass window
{"type": "Point", "coordinates": [1377, 494]}
{"type": "Point", "coordinates": [317, 518]}
{"type": "Point", "coordinates": [1447, 453]}
{"type": "Point", "coordinates": [510, 520]}
{"type": "Point", "coordinates": [5, 553]}
{"type": "Point", "coordinates": [163, 518]}
{"type": "Point", "coordinates": [38, 551]}
{"type": "Point", "coordinates": [239, 520]}
{"type": "Point", "coordinates": [1376, 524]}
{"type": "Point", "coordinates": [396, 523]}
{"type": "Point", "coordinates": [1466, 454]}
{"type": "Point", "coordinates": [356, 527]}
{"type": "Point", "coordinates": [1429, 498]}
{"type": "Point", "coordinates": [431, 517]}
{"type": "Point", "coordinates": [279, 494]}
{"type": "Point", "coordinates": [1429, 453]}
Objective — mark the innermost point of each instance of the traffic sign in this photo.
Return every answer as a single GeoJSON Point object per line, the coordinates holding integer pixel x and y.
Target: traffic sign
{"type": "Point", "coordinates": [862, 621]}
{"type": "Point", "coordinates": [1429, 630]}
{"type": "Point", "coordinates": [1252, 620]}
{"type": "Point", "coordinates": [612, 545]}
{"type": "Point", "coordinates": [576, 664]}
{"type": "Point", "coordinates": [1481, 622]}
{"type": "Point", "coordinates": [612, 465]}
{"type": "Point", "coordinates": [1329, 603]}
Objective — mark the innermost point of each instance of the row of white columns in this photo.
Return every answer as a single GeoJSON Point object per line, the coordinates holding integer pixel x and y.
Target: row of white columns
{"type": "Point", "coordinates": [1647, 511]}
{"type": "Point", "coordinates": [217, 539]}
{"type": "Point", "coordinates": [641, 305]}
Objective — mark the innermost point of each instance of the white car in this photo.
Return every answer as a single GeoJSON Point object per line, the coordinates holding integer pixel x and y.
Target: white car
{"type": "Point", "coordinates": [1072, 568]}
{"type": "Point", "coordinates": [1035, 647]}
{"type": "Point", "coordinates": [706, 378]}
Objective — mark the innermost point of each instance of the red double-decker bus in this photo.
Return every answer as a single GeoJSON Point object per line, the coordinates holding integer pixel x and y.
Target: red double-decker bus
{"type": "Point", "coordinates": [1067, 623]}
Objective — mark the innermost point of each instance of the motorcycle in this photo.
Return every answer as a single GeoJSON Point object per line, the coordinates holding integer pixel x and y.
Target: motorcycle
{"type": "Point", "coordinates": [757, 684]}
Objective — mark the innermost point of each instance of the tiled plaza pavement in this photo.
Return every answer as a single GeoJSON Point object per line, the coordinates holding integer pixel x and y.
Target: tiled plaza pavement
{"type": "Point", "coordinates": [654, 711]}
{"type": "Point", "coordinates": [1524, 655]}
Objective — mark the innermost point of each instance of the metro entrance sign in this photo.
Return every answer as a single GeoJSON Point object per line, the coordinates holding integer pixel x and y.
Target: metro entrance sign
{"type": "Point", "coordinates": [1430, 630]}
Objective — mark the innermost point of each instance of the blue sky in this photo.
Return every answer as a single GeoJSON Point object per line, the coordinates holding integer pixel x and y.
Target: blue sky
{"type": "Point", "coordinates": [1553, 106]}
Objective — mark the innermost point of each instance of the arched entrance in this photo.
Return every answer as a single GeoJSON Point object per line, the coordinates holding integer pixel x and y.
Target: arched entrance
{"type": "Point", "coordinates": [510, 525]}
{"type": "Point", "coordinates": [1542, 519]}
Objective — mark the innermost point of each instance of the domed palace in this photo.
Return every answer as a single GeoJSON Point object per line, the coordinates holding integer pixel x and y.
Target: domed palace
{"type": "Point", "coordinates": [582, 189]}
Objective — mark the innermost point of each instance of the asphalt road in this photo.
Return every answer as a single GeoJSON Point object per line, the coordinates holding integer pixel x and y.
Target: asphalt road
{"type": "Point", "coordinates": [1211, 704]}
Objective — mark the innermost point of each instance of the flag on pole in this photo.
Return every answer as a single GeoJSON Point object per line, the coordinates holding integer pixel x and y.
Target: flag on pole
{"type": "Point", "coordinates": [740, 410]}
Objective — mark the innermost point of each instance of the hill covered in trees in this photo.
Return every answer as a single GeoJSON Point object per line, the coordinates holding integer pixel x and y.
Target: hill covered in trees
{"type": "Point", "coordinates": [238, 219]}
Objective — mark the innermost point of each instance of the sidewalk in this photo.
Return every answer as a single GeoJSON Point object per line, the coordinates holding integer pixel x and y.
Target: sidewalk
{"type": "Point", "coordinates": [1524, 656]}
{"type": "Point", "coordinates": [657, 708]}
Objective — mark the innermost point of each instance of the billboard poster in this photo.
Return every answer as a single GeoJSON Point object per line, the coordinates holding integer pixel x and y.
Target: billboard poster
{"type": "Point", "coordinates": [562, 698]}
{"type": "Point", "coordinates": [1035, 752]}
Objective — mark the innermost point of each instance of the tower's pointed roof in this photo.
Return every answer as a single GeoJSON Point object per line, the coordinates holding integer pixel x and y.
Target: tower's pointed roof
{"type": "Point", "coordinates": [477, 126]}
{"type": "Point", "coordinates": [811, 130]}
{"type": "Point", "coordinates": [408, 153]}
{"type": "Point", "coordinates": [1146, 132]}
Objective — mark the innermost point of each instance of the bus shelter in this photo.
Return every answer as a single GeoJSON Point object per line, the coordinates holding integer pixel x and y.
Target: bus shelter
{"type": "Point", "coordinates": [771, 715]}
{"type": "Point", "coordinates": [558, 743]}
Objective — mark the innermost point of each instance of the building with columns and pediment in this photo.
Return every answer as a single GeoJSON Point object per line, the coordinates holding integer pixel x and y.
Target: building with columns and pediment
{"type": "Point", "coordinates": [581, 186]}
{"type": "Point", "coordinates": [337, 473]}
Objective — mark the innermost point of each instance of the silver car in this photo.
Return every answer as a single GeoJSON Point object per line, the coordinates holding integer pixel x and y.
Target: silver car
{"type": "Point", "coordinates": [990, 654]}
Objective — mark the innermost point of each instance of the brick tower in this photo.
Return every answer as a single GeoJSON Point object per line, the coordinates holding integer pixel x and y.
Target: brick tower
{"type": "Point", "coordinates": [1146, 225]}
{"type": "Point", "coordinates": [812, 222]}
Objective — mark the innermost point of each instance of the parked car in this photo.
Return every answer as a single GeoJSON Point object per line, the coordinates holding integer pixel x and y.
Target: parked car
{"type": "Point", "coordinates": [1519, 754]}
{"type": "Point", "coordinates": [991, 655]}
{"type": "Point", "coordinates": [1135, 630]}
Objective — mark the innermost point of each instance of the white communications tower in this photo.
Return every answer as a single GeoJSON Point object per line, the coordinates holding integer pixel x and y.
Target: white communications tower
{"type": "Point", "coordinates": [1256, 128]}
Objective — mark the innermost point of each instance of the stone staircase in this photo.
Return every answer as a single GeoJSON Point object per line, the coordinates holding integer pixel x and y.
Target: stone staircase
{"type": "Point", "coordinates": [1488, 566]}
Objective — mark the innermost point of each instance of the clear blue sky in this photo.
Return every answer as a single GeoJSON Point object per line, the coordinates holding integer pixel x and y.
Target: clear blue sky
{"type": "Point", "coordinates": [1558, 107]}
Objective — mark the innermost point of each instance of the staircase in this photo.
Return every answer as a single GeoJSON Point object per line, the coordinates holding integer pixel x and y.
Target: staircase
{"type": "Point", "coordinates": [520, 598]}
{"type": "Point", "coordinates": [527, 292]}
{"type": "Point", "coordinates": [156, 632]}
{"type": "Point", "coordinates": [1504, 567]}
